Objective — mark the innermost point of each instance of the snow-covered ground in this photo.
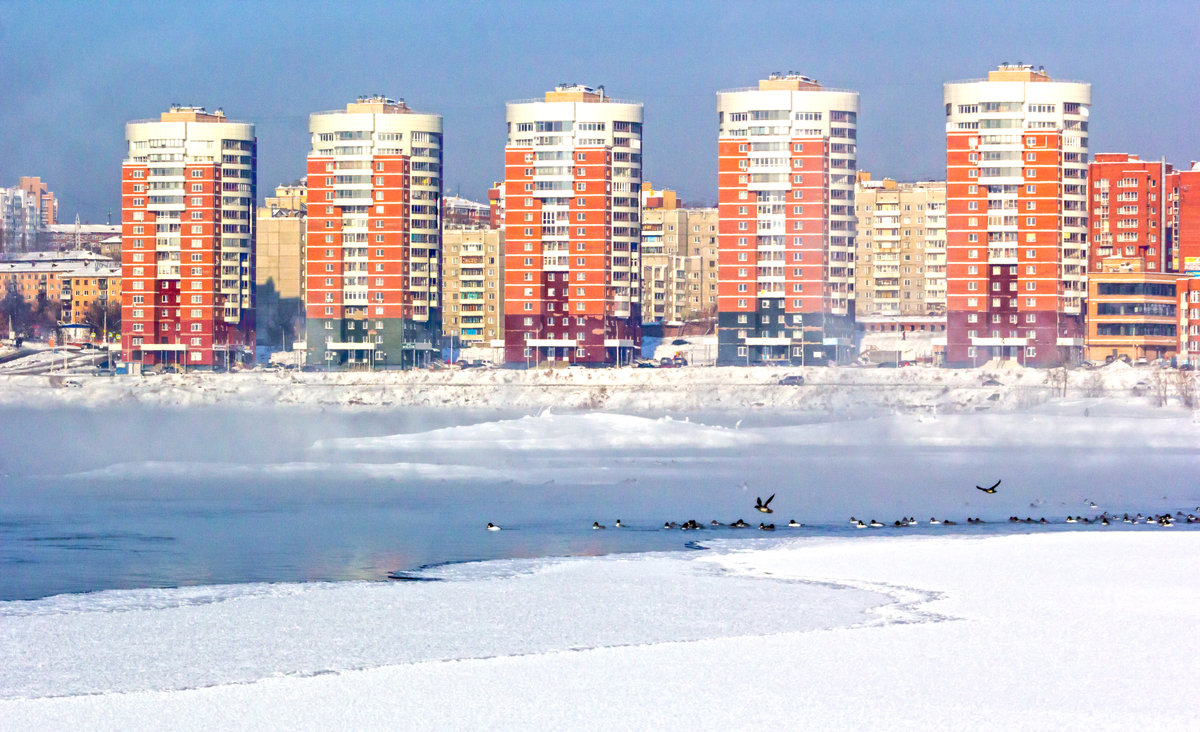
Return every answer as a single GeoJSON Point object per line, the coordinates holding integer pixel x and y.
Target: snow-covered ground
{"type": "Point", "coordinates": [914, 388]}
{"type": "Point", "coordinates": [1072, 630]}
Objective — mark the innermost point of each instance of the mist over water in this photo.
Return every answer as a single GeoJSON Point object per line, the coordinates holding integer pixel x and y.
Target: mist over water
{"type": "Point", "coordinates": [128, 498]}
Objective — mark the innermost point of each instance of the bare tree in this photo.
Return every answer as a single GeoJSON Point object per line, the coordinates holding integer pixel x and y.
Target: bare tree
{"type": "Point", "coordinates": [1185, 388]}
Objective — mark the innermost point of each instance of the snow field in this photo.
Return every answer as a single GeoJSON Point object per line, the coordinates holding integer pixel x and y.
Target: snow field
{"type": "Point", "coordinates": [1063, 631]}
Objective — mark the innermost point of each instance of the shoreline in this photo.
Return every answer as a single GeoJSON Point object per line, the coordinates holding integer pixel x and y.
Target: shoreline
{"type": "Point", "coordinates": [716, 389]}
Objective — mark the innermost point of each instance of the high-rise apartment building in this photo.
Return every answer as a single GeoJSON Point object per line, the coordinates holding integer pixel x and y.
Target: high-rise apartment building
{"type": "Point", "coordinates": [787, 154]}
{"type": "Point", "coordinates": [43, 200]}
{"type": "Point", "coordinates": [572, 226]}
{"type": "Point", "coordinates": [1129, 210]}
{"type": "Point", "coordinates": [373, 240]}
{"type": "Point", "coordinates": [900, 263]}
{"type": "Point", "coordinates": [187, 260]}
{"type": "Point", "coordinates": [1016, 217]}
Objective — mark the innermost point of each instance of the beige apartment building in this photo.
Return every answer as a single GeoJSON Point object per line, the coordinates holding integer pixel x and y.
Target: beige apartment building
{"type": "Point", "coordinates": [279, 264]}
{"type": "Point", "coordinates": [900, 257]}
{"type": "Point", "coordinates": [473, 287]}
{"type": "Point", "coordinates": [679, 264]}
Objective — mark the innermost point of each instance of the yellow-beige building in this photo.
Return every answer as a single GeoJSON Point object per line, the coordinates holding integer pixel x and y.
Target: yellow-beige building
{"type": "Point", "coordinates": [473, 287]}
{"type": "Point", "coordinates": [679, 264]}
{"type": "Point", "coordinates": [900, 252]}
{"type": "Point", "coordinates": [279, 264]}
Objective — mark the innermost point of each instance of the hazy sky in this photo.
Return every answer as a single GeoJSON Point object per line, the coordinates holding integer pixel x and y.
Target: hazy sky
{"type": "Point", "coordinates": [72, 73]}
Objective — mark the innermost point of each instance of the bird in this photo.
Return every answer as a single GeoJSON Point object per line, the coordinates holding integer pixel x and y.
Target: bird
{"type": "Point", "coordinates": [860, 525]}
{"type": "Point", "coordinates": [739, 524]}
{"type": "Point", "coordinates": [933, 521]}
{"type": "Point", "coordinates": [793, 524]}
{"type": "Point", "coordinates": [620, 525]}
{"type": "Point", "coordinates": [596, 525]}
{"type": "Point", "coordinates": [764, 507]}
{"type": "Point", "coordinates": [766, 527]}
{"type": "Point", "coordinates": [992, 489]}
{"type": "Point", "coordinates": [875, 524]}
{"type": "Point", "coordinates": [492, 527]}
{"type": "Point", "coordinates": [670, 525]}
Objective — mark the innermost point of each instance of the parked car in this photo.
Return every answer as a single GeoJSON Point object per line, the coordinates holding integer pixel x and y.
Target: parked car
{"type": "Point", "coordinates": [792, 380]}
{"type": "Point", "coordinates": [646, 365]}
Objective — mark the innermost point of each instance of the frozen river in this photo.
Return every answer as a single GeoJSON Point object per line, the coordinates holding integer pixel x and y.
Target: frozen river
{"type": "Point", "coordinates": [141, 498]}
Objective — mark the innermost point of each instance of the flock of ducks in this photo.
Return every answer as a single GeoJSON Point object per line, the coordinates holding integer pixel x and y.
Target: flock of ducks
{"type": "Point", "coordinates": [1104, 519]}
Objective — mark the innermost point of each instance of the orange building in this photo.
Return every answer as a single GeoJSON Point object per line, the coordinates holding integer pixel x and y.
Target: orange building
{"type": "Point", "coordinates": [1016, 217]}
{"type": "Point", "coordinates": [1132, 311]}
{"type": "Point", "coordinates": [572, 228]}
{"type": "Point", "coordinates": [187, 259]}
{"type": "Point", "coordinates": [85, 286]}
{"type": "Point", "coordinates": [786, 163]}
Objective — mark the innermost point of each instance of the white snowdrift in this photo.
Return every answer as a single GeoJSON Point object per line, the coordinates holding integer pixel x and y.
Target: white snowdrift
{"type": "Point", "coordinates": [1050, 631]}
{"type": "Point", "coordinates": [918, 389]}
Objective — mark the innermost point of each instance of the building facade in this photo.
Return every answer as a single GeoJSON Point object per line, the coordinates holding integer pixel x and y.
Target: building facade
{"type": "Point", "coordinates": [1016, 217]}
{"type": "Point", "coordinates": [279, 265]}
{"type": "Point", "coordinates": [786, 162]}
{"type": "Point", "coordinates": [572, 228]}
{"type": "Point", "coordinates": [188, 188]}
{"type": "Point", "coordinates": [84, 287]}
{"type": "Point", "coordinates": [900, 258]}
{"type": "Point", "coordinates": [63, 237]}
{"type": "Point", "coordinates": [679, 264]}
{"type": "Point", "coordinates": [373, 238]}
{"type": "Point", "coordinates": [1132, 310]}
{"type": "Point", "coordinates": [1129, 211]}
{"type": "Point", "coordinates": [473, 288]}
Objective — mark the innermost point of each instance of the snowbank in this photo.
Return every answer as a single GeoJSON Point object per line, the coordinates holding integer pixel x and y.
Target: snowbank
{"type": "Point", "coordinates": [628, 389]}
{"type": "Point", "coordinates": [901, 633]}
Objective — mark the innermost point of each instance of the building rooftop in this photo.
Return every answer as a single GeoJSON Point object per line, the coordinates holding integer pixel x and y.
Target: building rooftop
{"type": "Point", "coordinates": [1018, 72]}
{"type": "Point", "coordinates": [378, 104]}
{"type": "Point", "coordinates": [791, 81]}
{"type": "Point", "coordinates": [77, 255]}
{"type": "Point", "coordinates": [189, 113]}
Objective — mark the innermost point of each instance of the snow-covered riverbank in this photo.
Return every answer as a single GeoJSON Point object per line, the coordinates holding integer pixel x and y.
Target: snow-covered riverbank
{"type": "Point", "coordinates": [686, 389]}
{"type": "Point", "coordinates": [1065, 631]}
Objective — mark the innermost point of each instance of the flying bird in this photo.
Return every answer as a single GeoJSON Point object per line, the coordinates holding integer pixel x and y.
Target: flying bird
{"type": "Point", "coordinates": [764, 507]}
{"type": "Point", "coordinates": [992, 489]}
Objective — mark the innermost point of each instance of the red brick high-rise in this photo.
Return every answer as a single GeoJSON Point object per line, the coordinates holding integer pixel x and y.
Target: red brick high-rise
{"type": "Point", "coordinates": [187, 226]}
{"type": "Point", "coordinates": [1016, 217]}
{"type": "Point", "coordinates": [572, 227]}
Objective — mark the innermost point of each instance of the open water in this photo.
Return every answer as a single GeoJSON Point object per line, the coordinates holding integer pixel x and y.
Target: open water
{"type": "Point", "coordinates": [132, 498]}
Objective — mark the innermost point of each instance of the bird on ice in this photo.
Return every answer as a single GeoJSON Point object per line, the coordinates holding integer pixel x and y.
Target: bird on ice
{"type": "Point", "coordinates": [991, 489]}
{"type": "Point", "coordinates": [764, 507]}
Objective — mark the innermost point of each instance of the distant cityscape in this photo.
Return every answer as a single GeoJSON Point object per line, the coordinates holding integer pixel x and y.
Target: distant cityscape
{"type": "Point", "coordinates": [1032, 250]}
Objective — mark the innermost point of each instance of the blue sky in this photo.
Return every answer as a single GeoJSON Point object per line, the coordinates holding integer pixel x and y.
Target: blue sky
{"type": "Point", "coordinates": [74, 73]}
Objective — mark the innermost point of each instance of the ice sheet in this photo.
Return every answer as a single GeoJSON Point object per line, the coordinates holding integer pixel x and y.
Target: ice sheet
{"type": "Point", "coordinates": [1065, 631]}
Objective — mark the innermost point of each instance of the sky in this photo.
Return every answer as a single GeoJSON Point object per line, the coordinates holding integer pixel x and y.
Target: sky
{"type": "Point", "coordinates": [74, 72]}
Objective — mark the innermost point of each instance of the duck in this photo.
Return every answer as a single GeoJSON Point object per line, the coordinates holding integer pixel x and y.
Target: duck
{"type": "Point", "coordinates": [670, 525]}
{"type": "Point", "coordinates": [934, 522]}
{"type": "Point", "coordinates": [794, 524]}
{"type": "Point", "coordinates": [766, 527]}
{"type": "Point", "coordinates": [948, 522]}
{"type": "Point", "coordinates": [492, 527]}
{"type": "Point", "coordinates": [875, 524]}
{"type": "Point", "coordinates": [596, 526]}
{"type": "Point", "coordinates": [860, 525]}
{"type": "Point", "coordinates": [739, 524]}
{"type": "Point", "coordinates": [764, 506]}
{"type": "Point", "coordinates": [912, 520]}
{"type": "Point", "coordinates": [715, 522]}
{"type": "Point", "coordinates": [1071, 520]}
{"type": "Point", "coordinates": [619, 525]}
